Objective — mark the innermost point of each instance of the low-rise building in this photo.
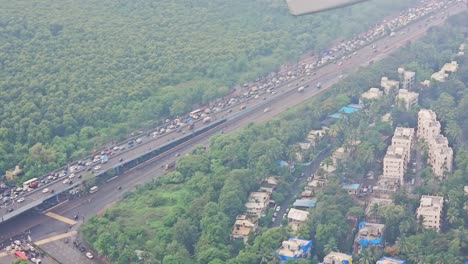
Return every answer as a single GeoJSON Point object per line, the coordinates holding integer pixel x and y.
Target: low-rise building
{"type": "Point", "coordinates": [440, 155]}
{"type": "Point", "coordinates": [428, 126]}
{"type": "Point", "coordinates": [466, 189]}
{"type": "Point", "coordinates": [242, 228]}
{"type": "Point", "coordinates": [369, 234]}
{"type": "Point", "coordinates": [386, 186]}
{"type": "Point", "coordinates": [404, 137]}
{"type": "Point", "coordinates": [257, 204]}
{"type": "Point", "coordinates": [389, 86]}
{"type": "Point", "coordinates": [407, 99]}
{"type": "Point", "coordinates": [389, 260]}
{"type": "Point", "coordinates": [338, 258]}
{"type": "Point", "coordinates": [451, 67]}
{"type": "Point", "coordinates": [296, 217]}
{"type": "Point", "coordinates": [439, 76]}
{"type": "Point", "coordinates": [387, 118]}
{"type": "Point", "coordinates": [407, 78]}
{"type": "Point", "coordinates": [372, 94]}
{"type": "Point", "coordinates": [394, 163]}
{"type": "Point", "coordinates": [352, 189]}
{"type": "Point", "coordinates": [314, 135]}
{"type": "Point", "coordinates": [316, 184]}
{"type": "Point", "coordinates": [430, 210]}
{"type": "Point", "coordinates": [304, 203]}
{"type": "Point", "coordinates": [426, 83]}
{"type": "Point", "coordinates": [294, 248]}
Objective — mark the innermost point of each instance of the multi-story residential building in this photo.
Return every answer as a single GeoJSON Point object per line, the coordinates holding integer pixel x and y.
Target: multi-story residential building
{"type": "Point", "coordinates": [389, 86]}
{"type": "Point", "coordinates": [430, 209]}
{"type": "Point", "coordinates": [404, 137]}
{"type": "Point", "coordinates": [407, 99]}
{"type": "Point", "coordinates": [296, 217]}
{"type": "Point", "coordinates": [440, 155]}
{"type": "Point", "coordinates": [294, 248]}
{"type": "Point", "coordinates": [242, 228]}
{"type": "Point", "coordinates": [337, 258]}
{"type": "Point", "coordinates": [428, 126]}
{"type": "Point", "coordinates": [257, 204]}
{"type": "Point", "coordinates": [407, 78]}
{"type": "Point", "coordinates": [372, 94]}
{"type": "Point", "coordinates": [394, 163]}
{"type": "Point", "coordinates": [389, 260]}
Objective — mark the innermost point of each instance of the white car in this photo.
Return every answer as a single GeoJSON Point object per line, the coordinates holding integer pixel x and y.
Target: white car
{"type": "Point", "coordinates": [89, 255]}
{"type": "Point", "coordinates": [266, 110]}
{"type": "Point", "coordinates": [66, 181]}
{"type": "Point", "coordinates": [278, 208]}
{"type": "Point", "coordinates": [97, 168]}
{"type": "Point", "coordinates": [20, 200]}
{"type": "Point", "coordinates": [341, 76]}
{"type": "Point", "coordinates": [71, 176]}
{"type": "Point", "coordinates": [46, 190]}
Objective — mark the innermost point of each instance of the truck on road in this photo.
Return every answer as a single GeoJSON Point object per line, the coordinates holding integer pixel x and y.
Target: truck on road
{"type": "Point", "coordinates": [206, 120]}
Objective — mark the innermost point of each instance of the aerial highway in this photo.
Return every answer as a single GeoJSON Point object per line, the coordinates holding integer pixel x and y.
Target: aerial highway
{"type": "Point", "coordinates": [286, 96]}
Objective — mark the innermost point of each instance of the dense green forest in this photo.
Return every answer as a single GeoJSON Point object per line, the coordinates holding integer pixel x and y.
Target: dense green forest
{"type": "Point", "coordinates": [186, 215]}
{"type": "Point", "coordinates": [76, 74]}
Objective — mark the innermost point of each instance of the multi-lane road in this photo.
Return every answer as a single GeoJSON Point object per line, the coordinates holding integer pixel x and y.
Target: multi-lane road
{"type": "Point", "coordinates": [287, 96]}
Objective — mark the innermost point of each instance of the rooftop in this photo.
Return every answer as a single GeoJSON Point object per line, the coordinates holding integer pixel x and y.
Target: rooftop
{"type": "Point", "coordinates": [403, 132]}
{"type": "Point", "coordinates": [396, 152]}
{"type": "Point", "coordinates": [354, 186]}
{"type": "Point", "coordinates": [431, 201]}
{"type": "Point", "coordinates": [305, 203]}
{"type": "Point", "coordinates": [293, 247]}
{"type": "Point", "coordinates": [369, 233]}
{"type": "Point", "coordinates": [298, 215]}
{"type": "Point", "coordinates": [389, 260]}
{"type": "Point", "coordinates": [337, 258]}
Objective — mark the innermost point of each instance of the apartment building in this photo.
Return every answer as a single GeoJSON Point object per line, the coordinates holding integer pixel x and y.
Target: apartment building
{"type": "Point", "coordinates": [440, 155]}
{"type": "Point", "coordinates": [372, 94]}
{"type": "Point", "coordinates": [389, 86]}
{"type": "Point", "coordinates": [428, 126]}
{"type": "Point", "coordinates": [407, 99]}
{"type": "Point", "coordinates": [443, 74]}
{"type": "Point", "coordinates": [404, 137]}
{"type": "Point", "coordinates": [394, 163]}
{"type": "Point", "coordinates": [407, 78]}
{"type": "Point", "coordinates": [430, 209]}
{"type": "Point", "coordinates": [257, 204]}
{"type": "Point", "coordinates": [337, 258]}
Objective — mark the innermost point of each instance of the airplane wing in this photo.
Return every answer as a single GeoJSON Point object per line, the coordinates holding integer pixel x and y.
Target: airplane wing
{"type": "Point", "coordinates": [302, 7]}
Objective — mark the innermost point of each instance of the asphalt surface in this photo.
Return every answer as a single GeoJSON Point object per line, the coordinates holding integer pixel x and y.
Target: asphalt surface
{"type": "Point", "coordinates": [42, 226]}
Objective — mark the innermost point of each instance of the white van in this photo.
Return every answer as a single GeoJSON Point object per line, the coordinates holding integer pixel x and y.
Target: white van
{"type": "Point", "coordinates": [93, 189]}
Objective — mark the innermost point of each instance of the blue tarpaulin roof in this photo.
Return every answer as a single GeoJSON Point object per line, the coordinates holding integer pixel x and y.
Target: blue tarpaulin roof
{"type": "Point", "coordinates": [348, 110]}
{"type": "Point", "coordinates": [304, 203]}
{"type": "Point", "coordinates": [354, 186]}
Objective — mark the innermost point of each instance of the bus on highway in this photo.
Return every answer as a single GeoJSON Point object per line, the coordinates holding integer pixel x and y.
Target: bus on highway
{"type": "Point", "coordinates": [32, 183]}
{"type": "Point", "coordinates": [195, 114]}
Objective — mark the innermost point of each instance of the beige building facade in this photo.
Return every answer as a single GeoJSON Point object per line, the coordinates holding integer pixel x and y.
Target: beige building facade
{"type": "Point", "coordinates": [407, 99]}
{"type": "Point", "coordinates": [430, 209]}
{"type": "Point", "coordinates": [440, 154]}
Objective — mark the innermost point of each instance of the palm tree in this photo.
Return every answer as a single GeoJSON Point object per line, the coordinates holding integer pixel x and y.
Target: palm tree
{"type": "Point", "coordinates": [366, 258]}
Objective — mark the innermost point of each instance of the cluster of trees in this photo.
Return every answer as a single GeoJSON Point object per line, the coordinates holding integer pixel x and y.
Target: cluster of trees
{"type": "Point", "coordinates": [111, 66]}
{"type": "Point", "coordinates": [186, 215]}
